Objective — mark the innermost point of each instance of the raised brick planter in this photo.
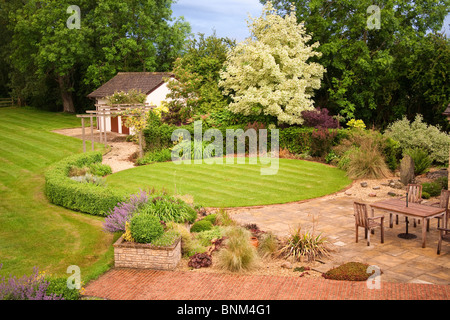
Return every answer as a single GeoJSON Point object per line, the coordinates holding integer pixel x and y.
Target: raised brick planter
{"type": "Point", "coordinates": [145, 256]}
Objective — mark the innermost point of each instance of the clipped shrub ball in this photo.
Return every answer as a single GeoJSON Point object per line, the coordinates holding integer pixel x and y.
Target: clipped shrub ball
{"type": "Point", "coordinates": [145, 228]}
{"type": "Point", "coordinates": [211, 218]}
{"type": "Point", "coordinates": [350, 271]}
{"type": "Point", "coordinates": [201, 225]}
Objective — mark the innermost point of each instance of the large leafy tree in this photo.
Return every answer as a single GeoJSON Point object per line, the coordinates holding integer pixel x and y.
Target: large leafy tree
{"type": "Point", "coordinates": [366, 65]}
{"type": "Point", "coordinates": [196, 90]}
{"type": "Point", "coordinates": [271, 72]}
{"type": "Point", "coordinates": [48, 57]}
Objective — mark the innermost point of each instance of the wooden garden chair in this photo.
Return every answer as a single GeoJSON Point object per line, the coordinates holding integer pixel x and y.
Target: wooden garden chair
{"type": "Point", "coordinates": [443, 203]}
{"type": "Point", "coordinates": [444, 232]}
{"type": "Point", "coordinates": [362, 219]}
{"type": "Point", "coordinates": [414, 196]}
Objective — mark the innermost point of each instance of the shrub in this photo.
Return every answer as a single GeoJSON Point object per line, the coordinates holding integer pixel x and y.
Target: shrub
{"type": "Point", "coordinates": [350, 271]}
{"type": "Point", "coordinates": [100, 169]}
{"type": "Point", "coordinates": [167, 239]}
{"type": "Point", "coordinates": [200, 260]}
{"type": "Point", "coordinates": [238, 254]}
{"type": "Point", "coordinates": [353, 123]}
{"type": "Point", "coordinates": [422, 161]}
{"type": "Point", "coordinates": [321, 141]}
{"type": "Point", "coordinates": [205, 237]}
{"type": "Point", "coordinates": [425, 195]}
{"type": "Point", "coordinates": [58, 287]}
{"type": "Point", "coordinates": [308, 245]}
{"type": "Point", "coordinates": [155, 156]}
{"type": "Point", "coordinates": [61, 190]}
{"type": "Point", "coordinates": [201, 225]}
{"type": "Point", "coordinates": [433, 188]}
{"type": "Point", "coordinates": [417, 134]}
{"type": "Point", "coordinates": [189, 246]}
{"type": "Point", "coordinates": [145, 228]}
{"type": "Point", "coordinates": [319, 118]}
{"type": "Point", "coordinates": [168, 208]}
{"type": "Point", "coordinates": [89, 178]}
{"type": "Point", "coordinates": [211, 218]}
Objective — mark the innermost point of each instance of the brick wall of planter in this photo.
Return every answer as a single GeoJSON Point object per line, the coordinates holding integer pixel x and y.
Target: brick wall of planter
{"type": "Point", "coordinates": [144, 256]}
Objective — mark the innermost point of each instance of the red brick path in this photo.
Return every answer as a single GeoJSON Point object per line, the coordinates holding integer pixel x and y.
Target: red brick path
{"type": "Point", "coordinates": [133, 284]}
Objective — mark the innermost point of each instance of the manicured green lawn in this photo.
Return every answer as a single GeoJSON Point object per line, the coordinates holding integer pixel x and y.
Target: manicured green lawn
{"type": "Point", "coordinates": [33, 232]}
{"type": "Point", "coordinates": [235, 185]}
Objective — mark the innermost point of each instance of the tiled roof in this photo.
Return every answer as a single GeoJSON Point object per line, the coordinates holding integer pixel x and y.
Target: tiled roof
{"type": "Point", "coordinates": [144, 82]}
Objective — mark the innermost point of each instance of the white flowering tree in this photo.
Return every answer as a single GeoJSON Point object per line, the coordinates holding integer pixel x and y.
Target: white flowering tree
{"type": "Point", "coordinates": [270, 73]}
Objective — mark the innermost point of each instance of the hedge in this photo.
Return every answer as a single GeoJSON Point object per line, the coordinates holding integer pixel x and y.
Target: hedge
{"type": "Point", "coordinates": [84, 197]}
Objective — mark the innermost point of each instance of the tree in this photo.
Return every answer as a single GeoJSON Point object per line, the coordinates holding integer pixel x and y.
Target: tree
{"type": "Point", "coordinates": [195, 90]}
{"type": "Point", "coordinates": [365, 65]}
{"type": "Point", "coordinates": [271, 72]}
{"type": "Point", "coordinates": [48, 57]}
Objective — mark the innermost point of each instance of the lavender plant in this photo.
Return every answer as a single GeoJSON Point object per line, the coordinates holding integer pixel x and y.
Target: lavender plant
{"type": "Point", "coordinates": [122, 212]}
{"type": "Point", "coordinates": [33, 287]}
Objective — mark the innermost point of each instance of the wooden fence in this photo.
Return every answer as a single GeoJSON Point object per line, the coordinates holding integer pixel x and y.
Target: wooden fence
{"type": "Point", "coordinates": [6, 102]}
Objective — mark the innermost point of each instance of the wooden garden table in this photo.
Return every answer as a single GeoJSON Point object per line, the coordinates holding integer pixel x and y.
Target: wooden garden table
{"type": "Point", "coordinates": [414, 210]}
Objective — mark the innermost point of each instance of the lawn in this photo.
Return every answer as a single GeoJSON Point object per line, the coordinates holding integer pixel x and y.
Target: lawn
{"type": "Point", "coordinates": [235, 185]}
{"type": "Point", "coordinates": [33, 232]}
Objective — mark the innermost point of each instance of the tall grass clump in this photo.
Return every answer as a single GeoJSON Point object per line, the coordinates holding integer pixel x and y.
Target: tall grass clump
{"type": "Point", "coordinates": [238, 255]}
{"type": "Point", "coordinates": [422, 161]}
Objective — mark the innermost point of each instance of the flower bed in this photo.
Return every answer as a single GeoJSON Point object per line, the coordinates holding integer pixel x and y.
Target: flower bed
{"type": "Point", "coordinates": [146, 256]}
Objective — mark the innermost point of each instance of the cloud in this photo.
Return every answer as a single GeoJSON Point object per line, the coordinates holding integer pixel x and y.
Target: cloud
{"type": "Point", "coordinates": [227, 17]}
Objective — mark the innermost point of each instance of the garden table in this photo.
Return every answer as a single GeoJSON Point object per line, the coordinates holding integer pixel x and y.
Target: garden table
{"type": "Point", "coordinates": [415, 210]}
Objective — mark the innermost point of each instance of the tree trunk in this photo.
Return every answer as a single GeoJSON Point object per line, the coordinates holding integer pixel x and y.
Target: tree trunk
{"type": "Point", "coordinates": [66, 95]}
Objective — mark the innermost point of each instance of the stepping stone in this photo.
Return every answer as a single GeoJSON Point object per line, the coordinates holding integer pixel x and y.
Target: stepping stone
{"type": "Point", "coordinates": [339, 244]}
{"type": "Point", "coordinates": [364, 184]}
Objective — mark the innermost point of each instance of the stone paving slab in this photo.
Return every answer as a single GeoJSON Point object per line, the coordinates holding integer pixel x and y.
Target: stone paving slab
{"type": "Point", "coordinates": [402, 260]}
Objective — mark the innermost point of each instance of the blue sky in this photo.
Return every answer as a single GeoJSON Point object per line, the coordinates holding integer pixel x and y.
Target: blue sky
{"type": "Point", "coordinates": [227, 17]}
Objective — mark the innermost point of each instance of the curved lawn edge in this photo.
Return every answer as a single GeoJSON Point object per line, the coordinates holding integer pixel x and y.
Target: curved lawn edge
{"type": "Point", "coordinates": [235, 185]}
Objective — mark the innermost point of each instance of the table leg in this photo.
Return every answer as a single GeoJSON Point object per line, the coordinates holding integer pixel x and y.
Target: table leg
{"type": "Point", "coordinates": [424, 232]}
{"type": "Point", "coordinates": [391, 220]}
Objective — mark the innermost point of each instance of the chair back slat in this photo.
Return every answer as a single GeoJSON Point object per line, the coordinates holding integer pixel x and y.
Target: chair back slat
{"type": "Point", "coordinates": [360, 214]}
{"type": "Point", "coordinates": [414, 192]}
{"type": "Point", "coordinates": [444, 199]}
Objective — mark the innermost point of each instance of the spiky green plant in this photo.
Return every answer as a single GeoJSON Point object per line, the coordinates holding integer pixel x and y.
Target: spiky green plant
{"type": "Point", "coordinates": [304, 245]}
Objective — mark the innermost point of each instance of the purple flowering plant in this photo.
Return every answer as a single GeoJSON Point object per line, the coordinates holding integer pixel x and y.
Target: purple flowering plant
{"type": "Point", "coordinates": [122, 212]}
{"type": "Point", "coordinates": [33, 287]}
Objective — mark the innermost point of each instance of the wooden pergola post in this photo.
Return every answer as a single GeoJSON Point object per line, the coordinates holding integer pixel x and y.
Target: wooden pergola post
{"type": "Point", "coordinates": [447, 114]}
{"type": "Point", "coordinates": [83, 129]}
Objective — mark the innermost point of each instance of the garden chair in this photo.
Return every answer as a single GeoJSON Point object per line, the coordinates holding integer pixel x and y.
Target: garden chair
{"type": "Point", "coordinates": [368, 223]}
{"type": "Point", "coordinates": [444, 232]}
{"type": "Point", "coordinates": [443, 203]}
{"type": "Point", "coordinates": [414, 196]}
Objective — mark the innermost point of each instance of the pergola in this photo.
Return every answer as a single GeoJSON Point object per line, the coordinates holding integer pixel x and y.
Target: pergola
{"type": "Point", "coordinates": [447, 114]}
{"type": "Point", "coordinates": [109, 110]}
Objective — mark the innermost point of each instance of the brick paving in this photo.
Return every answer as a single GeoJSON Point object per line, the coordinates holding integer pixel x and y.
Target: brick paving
{"type": "Point", "coordinates": [141, 284]}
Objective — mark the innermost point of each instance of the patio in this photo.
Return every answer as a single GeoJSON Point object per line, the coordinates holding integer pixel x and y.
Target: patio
{"type": "Point", "coordinates": [401, 260]}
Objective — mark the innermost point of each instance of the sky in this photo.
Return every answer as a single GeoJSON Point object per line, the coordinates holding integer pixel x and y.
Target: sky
{"type": "Point", "coordinates": [227, 17]}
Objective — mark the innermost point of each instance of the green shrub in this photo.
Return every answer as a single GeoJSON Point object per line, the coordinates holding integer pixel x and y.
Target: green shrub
{"type": "Point", "coordinates": [211, 218]}
{"type": "Point", "coordinates": [224, 219]}
{"type": "Point", "coordinates": [167, 239]}
{"type": "Point", "coordinates": [418, 134]}
{"type": "Point", "coordinates": [145, 228]}
{"type": "Point", "coordinates": [206, 236]}
{"type": "Point", "coordinates": [168, 208]}
{"type": "Point", "coordinates": [425, 195]}
{"type": "Point", "coordinates": [422, 161]}
{"type": "Point", "coordinates": [61, 190]}
{"type": "Point", "coordinates": [59, 287]}
{"type": "Point", "coordinates": [201, 225]}
{"type": "Point", "coordinates": [155, 156]}
{"type": "Point", "coordinates": [350, 271]}
{"type": "Point", "coordinates": [433, 188]}
{"type": "Point", "coordinates": [238, 254]}
{"type": "Point", "coordinates": [100, 169]}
